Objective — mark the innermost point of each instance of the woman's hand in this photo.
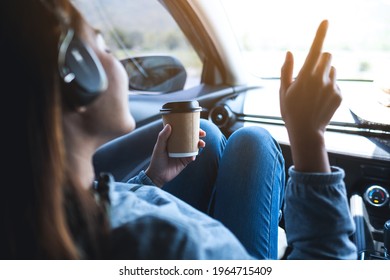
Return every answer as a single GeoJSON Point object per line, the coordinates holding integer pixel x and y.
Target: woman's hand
{"type": "Point", "coordinates": [162, 168]}
{"type": "Point", "coordinates": [308, 103]}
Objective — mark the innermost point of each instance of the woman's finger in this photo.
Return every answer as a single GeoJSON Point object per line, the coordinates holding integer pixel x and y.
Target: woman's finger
{"type": "Point", "coordinates": [324, 67]}
{"type": "Point", "coordinates": [163, 137]}
{"type": "Point", "coordinates": [201, 144]}
{"type": "Point", "coordinates": [332, 75]}
{"type": "Point", "coordinates": [315, 49]}
{"type": "Point", "coordinates": [286, 73]}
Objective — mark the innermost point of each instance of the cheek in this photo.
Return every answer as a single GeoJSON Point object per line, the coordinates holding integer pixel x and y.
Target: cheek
{"type": "Point", "coordinates": [117, 77]}
{"type": "Point", "coordinates": [117, 93]}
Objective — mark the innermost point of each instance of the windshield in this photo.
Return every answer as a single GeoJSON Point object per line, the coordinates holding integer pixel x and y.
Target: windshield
{"type": "Point", "coordinates": [358, 34]}
{"type": "Point", "coordinates": [358, 38]}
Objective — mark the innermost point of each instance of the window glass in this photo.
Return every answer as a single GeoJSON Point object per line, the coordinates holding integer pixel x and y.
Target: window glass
{"type": "Point", "coordinates": [358, 38]}
{"type": "Point", "coordinates": [141, 27]}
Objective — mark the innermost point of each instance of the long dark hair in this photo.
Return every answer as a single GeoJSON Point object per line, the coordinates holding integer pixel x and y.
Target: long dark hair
{"type": "Point", "coordinates": [45, 213]}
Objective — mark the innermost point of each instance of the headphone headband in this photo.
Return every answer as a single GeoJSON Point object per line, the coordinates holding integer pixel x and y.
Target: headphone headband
{"type": "Point", "coordinates": [82, 75]}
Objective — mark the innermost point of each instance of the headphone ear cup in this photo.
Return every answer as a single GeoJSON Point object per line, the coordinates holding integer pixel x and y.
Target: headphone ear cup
{"type": "Point", "coordinates": [83, 76]}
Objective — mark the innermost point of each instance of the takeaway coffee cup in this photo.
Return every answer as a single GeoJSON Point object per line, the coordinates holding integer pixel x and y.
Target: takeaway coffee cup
{"type": "Point", "coordinates": [184, 118]}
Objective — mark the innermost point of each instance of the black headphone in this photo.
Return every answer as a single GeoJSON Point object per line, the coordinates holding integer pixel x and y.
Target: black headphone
{"type": "Point", "coordinates": [82, 74]}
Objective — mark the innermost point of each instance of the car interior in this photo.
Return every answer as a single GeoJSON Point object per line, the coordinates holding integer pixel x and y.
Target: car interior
{"type": "Point", "coordinates": [358, 137]}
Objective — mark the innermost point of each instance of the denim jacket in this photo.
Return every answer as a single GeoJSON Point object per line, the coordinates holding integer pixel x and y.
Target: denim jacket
{"type": "Point", "coordinates": [149, 223]}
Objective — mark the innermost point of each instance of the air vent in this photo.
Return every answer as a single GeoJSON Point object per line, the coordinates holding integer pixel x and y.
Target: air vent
{"type": "Point", "coordinates": [221, 116]}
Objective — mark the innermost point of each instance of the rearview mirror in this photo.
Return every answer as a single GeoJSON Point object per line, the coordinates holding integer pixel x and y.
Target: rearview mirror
{"type": "Point", "coordinates": [155, 73]}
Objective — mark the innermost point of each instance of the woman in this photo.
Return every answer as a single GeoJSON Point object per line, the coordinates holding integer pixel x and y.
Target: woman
{"type": "Point", "coordinates": [61, 216]}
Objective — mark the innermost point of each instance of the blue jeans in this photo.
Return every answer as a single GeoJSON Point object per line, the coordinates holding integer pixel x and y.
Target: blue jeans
{"type": "Point", "coordinates": [240, 182]}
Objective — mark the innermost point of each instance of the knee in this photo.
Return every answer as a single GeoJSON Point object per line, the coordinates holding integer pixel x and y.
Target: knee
{"type": "Point", "coordinates": [213, 133]}
{"type": "Point", "coordinates": [209, 127]}
{"type": "Point", "coordinates": [214, 139]}
{"type": "Point", "coordinates": [253, 139]}
{"type": "Point", "coordinates": [251, 135]}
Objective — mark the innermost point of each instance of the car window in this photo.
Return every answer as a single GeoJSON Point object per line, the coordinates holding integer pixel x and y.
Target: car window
{"type": "Point", "coordinates": [135, 28]}
{"type": "Point", "coordinates": [358, 38]}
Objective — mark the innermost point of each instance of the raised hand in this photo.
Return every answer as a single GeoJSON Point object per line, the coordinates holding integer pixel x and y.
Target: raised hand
{"type": "Point", "coordinates": [162, 168]}
{"type": "Point", "coordinates": [308, 103]}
